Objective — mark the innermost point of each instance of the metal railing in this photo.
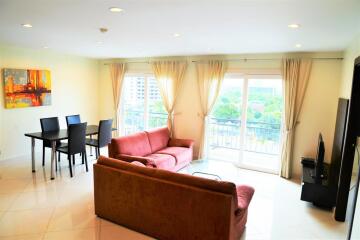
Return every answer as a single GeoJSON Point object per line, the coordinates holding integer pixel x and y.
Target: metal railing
{"type": "Point", "coordinates": [260, 137]}
{"type": "Point", "coordinates": [134, 121]}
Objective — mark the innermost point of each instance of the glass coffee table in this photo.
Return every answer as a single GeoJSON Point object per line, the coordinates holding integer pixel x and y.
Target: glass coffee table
{"type": "Point", "coordinates": [206, 175]}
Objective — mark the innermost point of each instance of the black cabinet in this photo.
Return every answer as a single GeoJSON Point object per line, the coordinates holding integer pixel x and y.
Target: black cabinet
{"type": "Point", "coordinates": [319, 192]}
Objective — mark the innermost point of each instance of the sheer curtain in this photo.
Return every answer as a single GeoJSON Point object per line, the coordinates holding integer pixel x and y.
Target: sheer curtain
{"type": "Point", "coordinates": [210, 75]}
{"type": "Point", "coordinates": [295, 73]}
{"type": "Point", "coordinates": [117, 73]}
{"type": "Point", "coordinates": [169, 76]}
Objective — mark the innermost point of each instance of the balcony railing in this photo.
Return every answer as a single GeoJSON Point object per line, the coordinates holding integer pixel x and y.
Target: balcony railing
{"type": "Point", "coordinates": [134, 121]}
{"type": "Point", "coordinates": [260, 137]}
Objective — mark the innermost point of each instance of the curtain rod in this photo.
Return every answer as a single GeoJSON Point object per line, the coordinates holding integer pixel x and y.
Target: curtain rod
{"type": "Point", "coordinates": [127, 62]}
{"type": "Point", "coordinates": [248, 59]}
{"type": "Point", "coordinates": [271, 59]}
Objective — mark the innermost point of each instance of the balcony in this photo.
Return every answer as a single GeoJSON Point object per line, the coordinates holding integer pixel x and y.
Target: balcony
{"type": "Point", "coordinates": [134, 121]}
{"type": "Point", "coordinates": [260, 147]}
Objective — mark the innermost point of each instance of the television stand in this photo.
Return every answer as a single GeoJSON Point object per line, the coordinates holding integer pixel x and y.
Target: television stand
{"type": "Point", "coordinates": [317, 191]}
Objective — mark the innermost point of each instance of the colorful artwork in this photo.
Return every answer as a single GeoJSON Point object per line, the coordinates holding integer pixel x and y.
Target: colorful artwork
{"type": "Point", "coordinates": [26, 88]}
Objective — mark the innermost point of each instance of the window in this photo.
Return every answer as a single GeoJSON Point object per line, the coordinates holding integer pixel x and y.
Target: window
{"type": "Point", "coordinates": [142, 106]}
{"type": "Point", "coordinates": [245, 123]}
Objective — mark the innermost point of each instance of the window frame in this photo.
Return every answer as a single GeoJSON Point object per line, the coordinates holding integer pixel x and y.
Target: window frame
{"type": "Point", "coordinates": [247, 75]}
{"type": "Point", "coordinates": [146, 76]}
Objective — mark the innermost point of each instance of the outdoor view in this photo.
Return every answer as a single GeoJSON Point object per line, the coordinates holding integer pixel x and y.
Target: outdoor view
{"type": "Point", "coordinates": [251, 138]}
{"type": "Point", "coordinates": [142, 105]}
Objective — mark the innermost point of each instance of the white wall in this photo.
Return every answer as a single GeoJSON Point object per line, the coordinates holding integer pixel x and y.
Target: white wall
{"type": "Point", "coordinates": [74, 90]}
{"type": "Point", "coordinates": [319, 110]}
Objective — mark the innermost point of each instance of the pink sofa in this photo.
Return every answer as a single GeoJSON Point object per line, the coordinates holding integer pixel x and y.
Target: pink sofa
{"type": "Point", "coordinates": [153, 148]}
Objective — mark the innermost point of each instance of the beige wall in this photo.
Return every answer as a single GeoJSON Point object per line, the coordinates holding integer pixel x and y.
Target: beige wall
{"type": "Point", "coordinates": [74, 90]}
{"type": "Point", "coordinates": [318, 115]}
{"type": "Point", "coordinates": [352, 52]}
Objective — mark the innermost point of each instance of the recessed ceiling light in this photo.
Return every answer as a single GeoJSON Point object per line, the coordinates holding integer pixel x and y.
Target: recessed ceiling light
{"type": "Point", "coordinates": [115, 9]}
{"type": "Point", "coordinates": [294, 25]}
{"type": "Point", "coordinates": [176, 35]}
{"type": "Point", "coordinates": [46, 47]}
{"type": "Point", "coordinates": [298, 45]}
{"type": "Point", "coordinates": [26, 25]}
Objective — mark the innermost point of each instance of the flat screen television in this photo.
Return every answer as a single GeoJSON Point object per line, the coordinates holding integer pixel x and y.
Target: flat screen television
{"type": "Point", "coordinates": [319, 161]}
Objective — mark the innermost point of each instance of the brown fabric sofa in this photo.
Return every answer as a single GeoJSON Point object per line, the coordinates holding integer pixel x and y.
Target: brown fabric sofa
{"type": "Point", "coordinates": [153, 148]}
{"type": "Point", "coordinates": [168, 205]}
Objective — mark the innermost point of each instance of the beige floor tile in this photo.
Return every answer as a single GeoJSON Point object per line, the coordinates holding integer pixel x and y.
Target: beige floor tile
{"type": "Point", "coordinates": [77, 216]}
{"type": "Point", "coordinates": [44, 185]}
{"type": "Point", "coordinates": [35, 200]}
{"type": "Point", "coordinates": [24, 222]}
{"type": "Point", "coordinates": [24, 237]}
{"type": "Point", "coordinates": [13, 185]}
{"type": "Point", "coordinates": [83, 234]}
{"type": "Point", "coordinates": [6, 200]}
{"type": "Point", "coordinates": [274, 213]}
{"type": "Point", "coordinates": [117, 232]}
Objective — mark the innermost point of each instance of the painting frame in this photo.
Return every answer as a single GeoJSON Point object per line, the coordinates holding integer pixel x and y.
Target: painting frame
{"type": "Point", "coordinates": [26, 88]}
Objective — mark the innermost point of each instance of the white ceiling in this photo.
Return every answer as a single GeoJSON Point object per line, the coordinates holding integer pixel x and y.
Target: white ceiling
{"type": "Point", "coordinates": [146, 27]}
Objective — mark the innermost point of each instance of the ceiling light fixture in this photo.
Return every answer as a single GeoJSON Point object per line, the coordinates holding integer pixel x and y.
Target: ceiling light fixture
{"type": "Point", "coordinates": [26, 25]}
{"type": "Point", "coordinates": [176, 35]}
{"type": "Point", "coordinates": [294, 25]}
{"type": "Point", "coordinates": [298, 45]}
{"type": "Point", "coordinates": [115, 9]}
{"type": "Point", "coordinates": [46, 47]}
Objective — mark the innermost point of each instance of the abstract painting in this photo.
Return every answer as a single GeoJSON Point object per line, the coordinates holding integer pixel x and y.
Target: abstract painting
{"type": "Point", "coordinates": [26, 88]}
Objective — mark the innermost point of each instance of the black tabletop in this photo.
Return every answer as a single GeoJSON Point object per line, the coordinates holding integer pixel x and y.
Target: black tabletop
{"type": "Point", "coordinates": [62, 134]}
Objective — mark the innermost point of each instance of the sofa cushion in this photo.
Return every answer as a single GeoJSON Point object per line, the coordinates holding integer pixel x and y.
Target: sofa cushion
{"type": "Point", "coordinates": [181, 154]}
{"type": "Point", "coordinates": [163, 161]}
{"type": "Point", "coordinates": [134, 145]}
{"type": "Point", "coordinates": [158, 138]}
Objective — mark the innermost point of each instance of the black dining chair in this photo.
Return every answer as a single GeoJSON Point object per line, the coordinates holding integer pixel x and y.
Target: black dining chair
{"type": "Point", "coordinates": [73, 119]}
{"type": "Point", "coordinates": [50, 124]}
{"type": "Point", "coordinates": [104, 136]}
{"type": "Point", "coordinates": [76, 144]}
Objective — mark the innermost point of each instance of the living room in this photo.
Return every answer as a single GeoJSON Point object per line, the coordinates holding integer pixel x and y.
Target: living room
{"type": "Point", "coordinates": [105, 61]}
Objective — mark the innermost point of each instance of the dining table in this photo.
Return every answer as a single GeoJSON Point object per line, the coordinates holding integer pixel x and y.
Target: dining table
{"type": "Point", "coordinates": [53, 137]}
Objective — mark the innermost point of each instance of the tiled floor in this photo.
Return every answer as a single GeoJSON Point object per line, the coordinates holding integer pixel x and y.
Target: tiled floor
{"type": "Point", "coordinates": [33, 207]}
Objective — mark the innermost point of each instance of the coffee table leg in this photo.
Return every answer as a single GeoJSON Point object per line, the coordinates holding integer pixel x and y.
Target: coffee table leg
{"type": "Point", "coordinates": [53, 152]}
{"type": "Point", "coordinates": [33, 154]}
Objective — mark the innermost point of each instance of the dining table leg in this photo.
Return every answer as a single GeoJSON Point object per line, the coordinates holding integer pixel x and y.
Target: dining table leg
{"type": "Point", "coordinates": [33, 154]}
{"type": "Point", "coordinates": [91, 146]}
{"type": "Point", "coordinates": [53, 158]}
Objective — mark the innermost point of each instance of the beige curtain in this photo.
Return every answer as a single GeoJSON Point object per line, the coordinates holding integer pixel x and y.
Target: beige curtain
{"type": "Point", "coordinates": [210, 75]}
{"type": "Point", "coordinates": [117, 73]}
{"type": "Point", "coordinates": [169, 76]}
{"type": "Point", "coordinates": [295, 73]}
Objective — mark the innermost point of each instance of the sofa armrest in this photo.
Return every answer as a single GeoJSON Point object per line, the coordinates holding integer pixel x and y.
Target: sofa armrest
{"type": "Point", "coordinates": [244, 196]}
{"type": "Point", "coordinates": [173, 142]}
{"type": "Point", "coordinates": [128, 158]}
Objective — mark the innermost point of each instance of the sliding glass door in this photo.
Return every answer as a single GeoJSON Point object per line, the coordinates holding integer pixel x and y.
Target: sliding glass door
{"type": "Point", "coordinates": [245, 124]}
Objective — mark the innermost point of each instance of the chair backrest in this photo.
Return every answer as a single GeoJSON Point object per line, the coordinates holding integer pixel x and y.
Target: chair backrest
{"type": "Point", "coordinates": [77, 135]}
{"type": "Point", "coordinates": [73, 119]}
{"type": "Point", "coordinates": [49, 124]}
{"type": "Point", "coordinates": [105, 129]}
